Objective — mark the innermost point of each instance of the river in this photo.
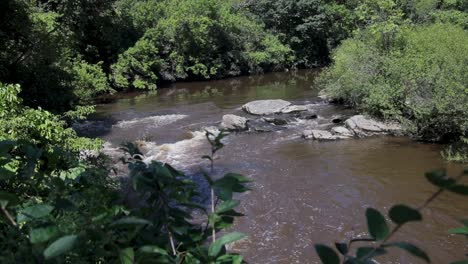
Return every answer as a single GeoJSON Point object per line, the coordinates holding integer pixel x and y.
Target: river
{"type": "Point", "coordinates": [304, 192]}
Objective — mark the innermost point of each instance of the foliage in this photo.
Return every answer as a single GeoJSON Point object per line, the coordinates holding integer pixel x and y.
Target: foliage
{"type": "Point", "coordinates": [196, 39]}
{"type": "Point", "coordinates": [381, 234]}
{"type": "Point", "coordinates": [420, 80]}
{"type": "Point", "coordinates": [89, 80]}
{"type": "Point", "coordinates": [36, 125]}
{"type": "Point", "coordinates": [58, 207]}
{"type": "Point", "coordinates": [310, 28]}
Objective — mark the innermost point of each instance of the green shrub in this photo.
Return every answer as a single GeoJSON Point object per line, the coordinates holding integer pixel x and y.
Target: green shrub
{"type": "Point", "coordinates": [421, 79]}
{"type": "Point", "coordinates": [198, 40]}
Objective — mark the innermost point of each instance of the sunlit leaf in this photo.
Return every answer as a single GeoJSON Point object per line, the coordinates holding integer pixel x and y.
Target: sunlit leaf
{"type": "Point", "coordinates": [216, 247]}
{"type": "Point", "coordinates": [227, 205]}
{"type": "Point", "coordinates": [459, 231]}
{"type": "Point", "coordinates": [60, 246]}
{"type": "Point", "coordinates": [43, 234]}
{"type": "Point", "coordinates": [34, 212]}
{"type": "Point", "coordinates": [127, 256]}
{"type": "Point", "coordinates": [131, 221]}
{"type": "Point", "coordinates": [153, 250]}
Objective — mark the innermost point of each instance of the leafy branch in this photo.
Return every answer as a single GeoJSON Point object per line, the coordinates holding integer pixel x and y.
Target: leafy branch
{"type": "Point", "coordinates": [400, 215]}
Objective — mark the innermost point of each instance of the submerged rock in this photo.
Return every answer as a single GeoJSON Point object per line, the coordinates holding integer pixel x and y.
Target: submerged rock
{"type": "Point", "coordinates": [321, 135]}
{"type": "Point", "coordinates": [265, 107]}
{"type": "Point", "coordinates": [363, 126]}
{"type": "Point", "coordinates": [277, 120]}
{"type": "Point", "coordinates": [311, 114]}
{"type": "Point", "coordinates": [234, 123]}
{"type": "Point", "coordinates": [262, 126]}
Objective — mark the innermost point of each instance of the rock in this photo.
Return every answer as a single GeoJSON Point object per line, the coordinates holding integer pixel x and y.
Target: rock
{"type": "Point", "coordinates": [294, 109]}
{"type": "Point", "coordinates": [234, 123]}
{"type": "Point", "coordinates": [342, 131]}
{"type": "Point", "coordinates": [336, 119]}
{"type": "Point", "coordinates": [320, 135]}
{"type": "Point", "coordinates": [265, 107]}
{"type": "Point", "coordinates": [364, 126]}
{"type": "Point", "coordinates": [277, 120]}
{"type": "Point", "coordinates": [262, 126]}
{"type": "Point", "coordinates": [308, 115]}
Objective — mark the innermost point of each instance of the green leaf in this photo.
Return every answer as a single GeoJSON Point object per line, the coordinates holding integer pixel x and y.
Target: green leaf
{"type": "Point", "coordinates": [216, 247]}
{"type": "Point", "coordinates": [459, 189]}
{"type": "Point", "coordinates": [239, 177]}
{"type": "Point", "coordinates": [459, 231]}
{"type": "Point", "coordinates": [34, 212]}
{"type": "Point", "coordinates": [412, 249]}
{"type": "Point", "coordinates": [153, 250]}
{"type": "Point", "coordinates": [439, 178]}
{"type": "Point", "coordinates": [230, 258]}
{"type": "Point", "coordinates": [327, 255]}
{"type": "Point", "coordinates": [365, 253]}
{"type": "Point", "coordinates": [227, 205]}
{"type": "Point", "coordinates": [127, 256]}
{"type": "Point", "coordinates": [208, 178]}
{"type": "Point", "coordinates": [8, 199]}
{"type": "Point", "coordinates": [401, 214]}
{"type": "Point", "coordinates": [342, 248]}
{"type": "Point", "coordinates": [44, 234]}
{"type": "Point", "coordinates": [376, 224]}
{"type": "Point", "coordinates": [460, 262]}
{"type": "Point", "coordinates": [131, 221]}
{"type": "Point", "coordinates": [60, 246]}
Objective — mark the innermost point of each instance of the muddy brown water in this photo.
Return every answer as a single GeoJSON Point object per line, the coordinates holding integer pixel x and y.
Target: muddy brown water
{"type": "Point", "coordinates": [304, 192]}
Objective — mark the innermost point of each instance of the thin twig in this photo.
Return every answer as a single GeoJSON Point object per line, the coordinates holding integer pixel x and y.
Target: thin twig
{"type": "Point", "coordinates": [171, 239]}
{"type": "Point", "coordinates": [9, 217]}
{"type": "Point", "coordinates": [213, 211]}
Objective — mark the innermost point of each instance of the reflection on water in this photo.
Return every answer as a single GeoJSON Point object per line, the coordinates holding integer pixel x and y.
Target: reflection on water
{"type": "Point", "coordinates": [304, 192]}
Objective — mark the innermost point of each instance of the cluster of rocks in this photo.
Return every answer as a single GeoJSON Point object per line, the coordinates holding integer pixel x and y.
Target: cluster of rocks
{"type": "Point", "coordinates": [356, 126]}
{"type": "Point", "coordinates": [267, 116]}
{"type": "Point", "coordinates": [272, 115]}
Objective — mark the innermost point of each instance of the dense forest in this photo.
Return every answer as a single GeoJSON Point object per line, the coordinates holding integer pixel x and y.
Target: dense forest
{"type": "Point", "coordinates": [399, 60]}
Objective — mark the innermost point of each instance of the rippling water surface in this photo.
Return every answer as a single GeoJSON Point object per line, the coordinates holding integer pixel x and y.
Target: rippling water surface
{"type": "Point", "coordinates": [304, 192]}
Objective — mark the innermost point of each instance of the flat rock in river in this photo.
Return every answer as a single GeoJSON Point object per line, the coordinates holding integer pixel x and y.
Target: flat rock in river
{"type": "Point", "coordinates": [342, 131]}
{"type": "Point", "coordinates": [234, 123]}
{"type": "Point", "coordinates": [364, 126]}
{"type": "Point", "coordinates": [265, 107]}
{"type": "Point", "coordinates": [294, 109]}
{"type": "Point", "coordinates": [321, 135]}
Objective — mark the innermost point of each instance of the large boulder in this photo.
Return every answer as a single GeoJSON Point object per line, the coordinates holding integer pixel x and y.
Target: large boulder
{"type": "Point", "coordinates": [322, 135]}
{"type": "Point", "coordinates": [234, 123]}
{"type": "Point", "coordinates": [365, 126]}
{"type": "Point", "coordinates": [265, 107]}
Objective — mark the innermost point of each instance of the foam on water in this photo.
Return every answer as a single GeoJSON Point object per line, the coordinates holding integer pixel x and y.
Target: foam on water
{"type": "Point", "coordinates": [182, 154]}
{"type": "Point", "coordinates": [151, 121]}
